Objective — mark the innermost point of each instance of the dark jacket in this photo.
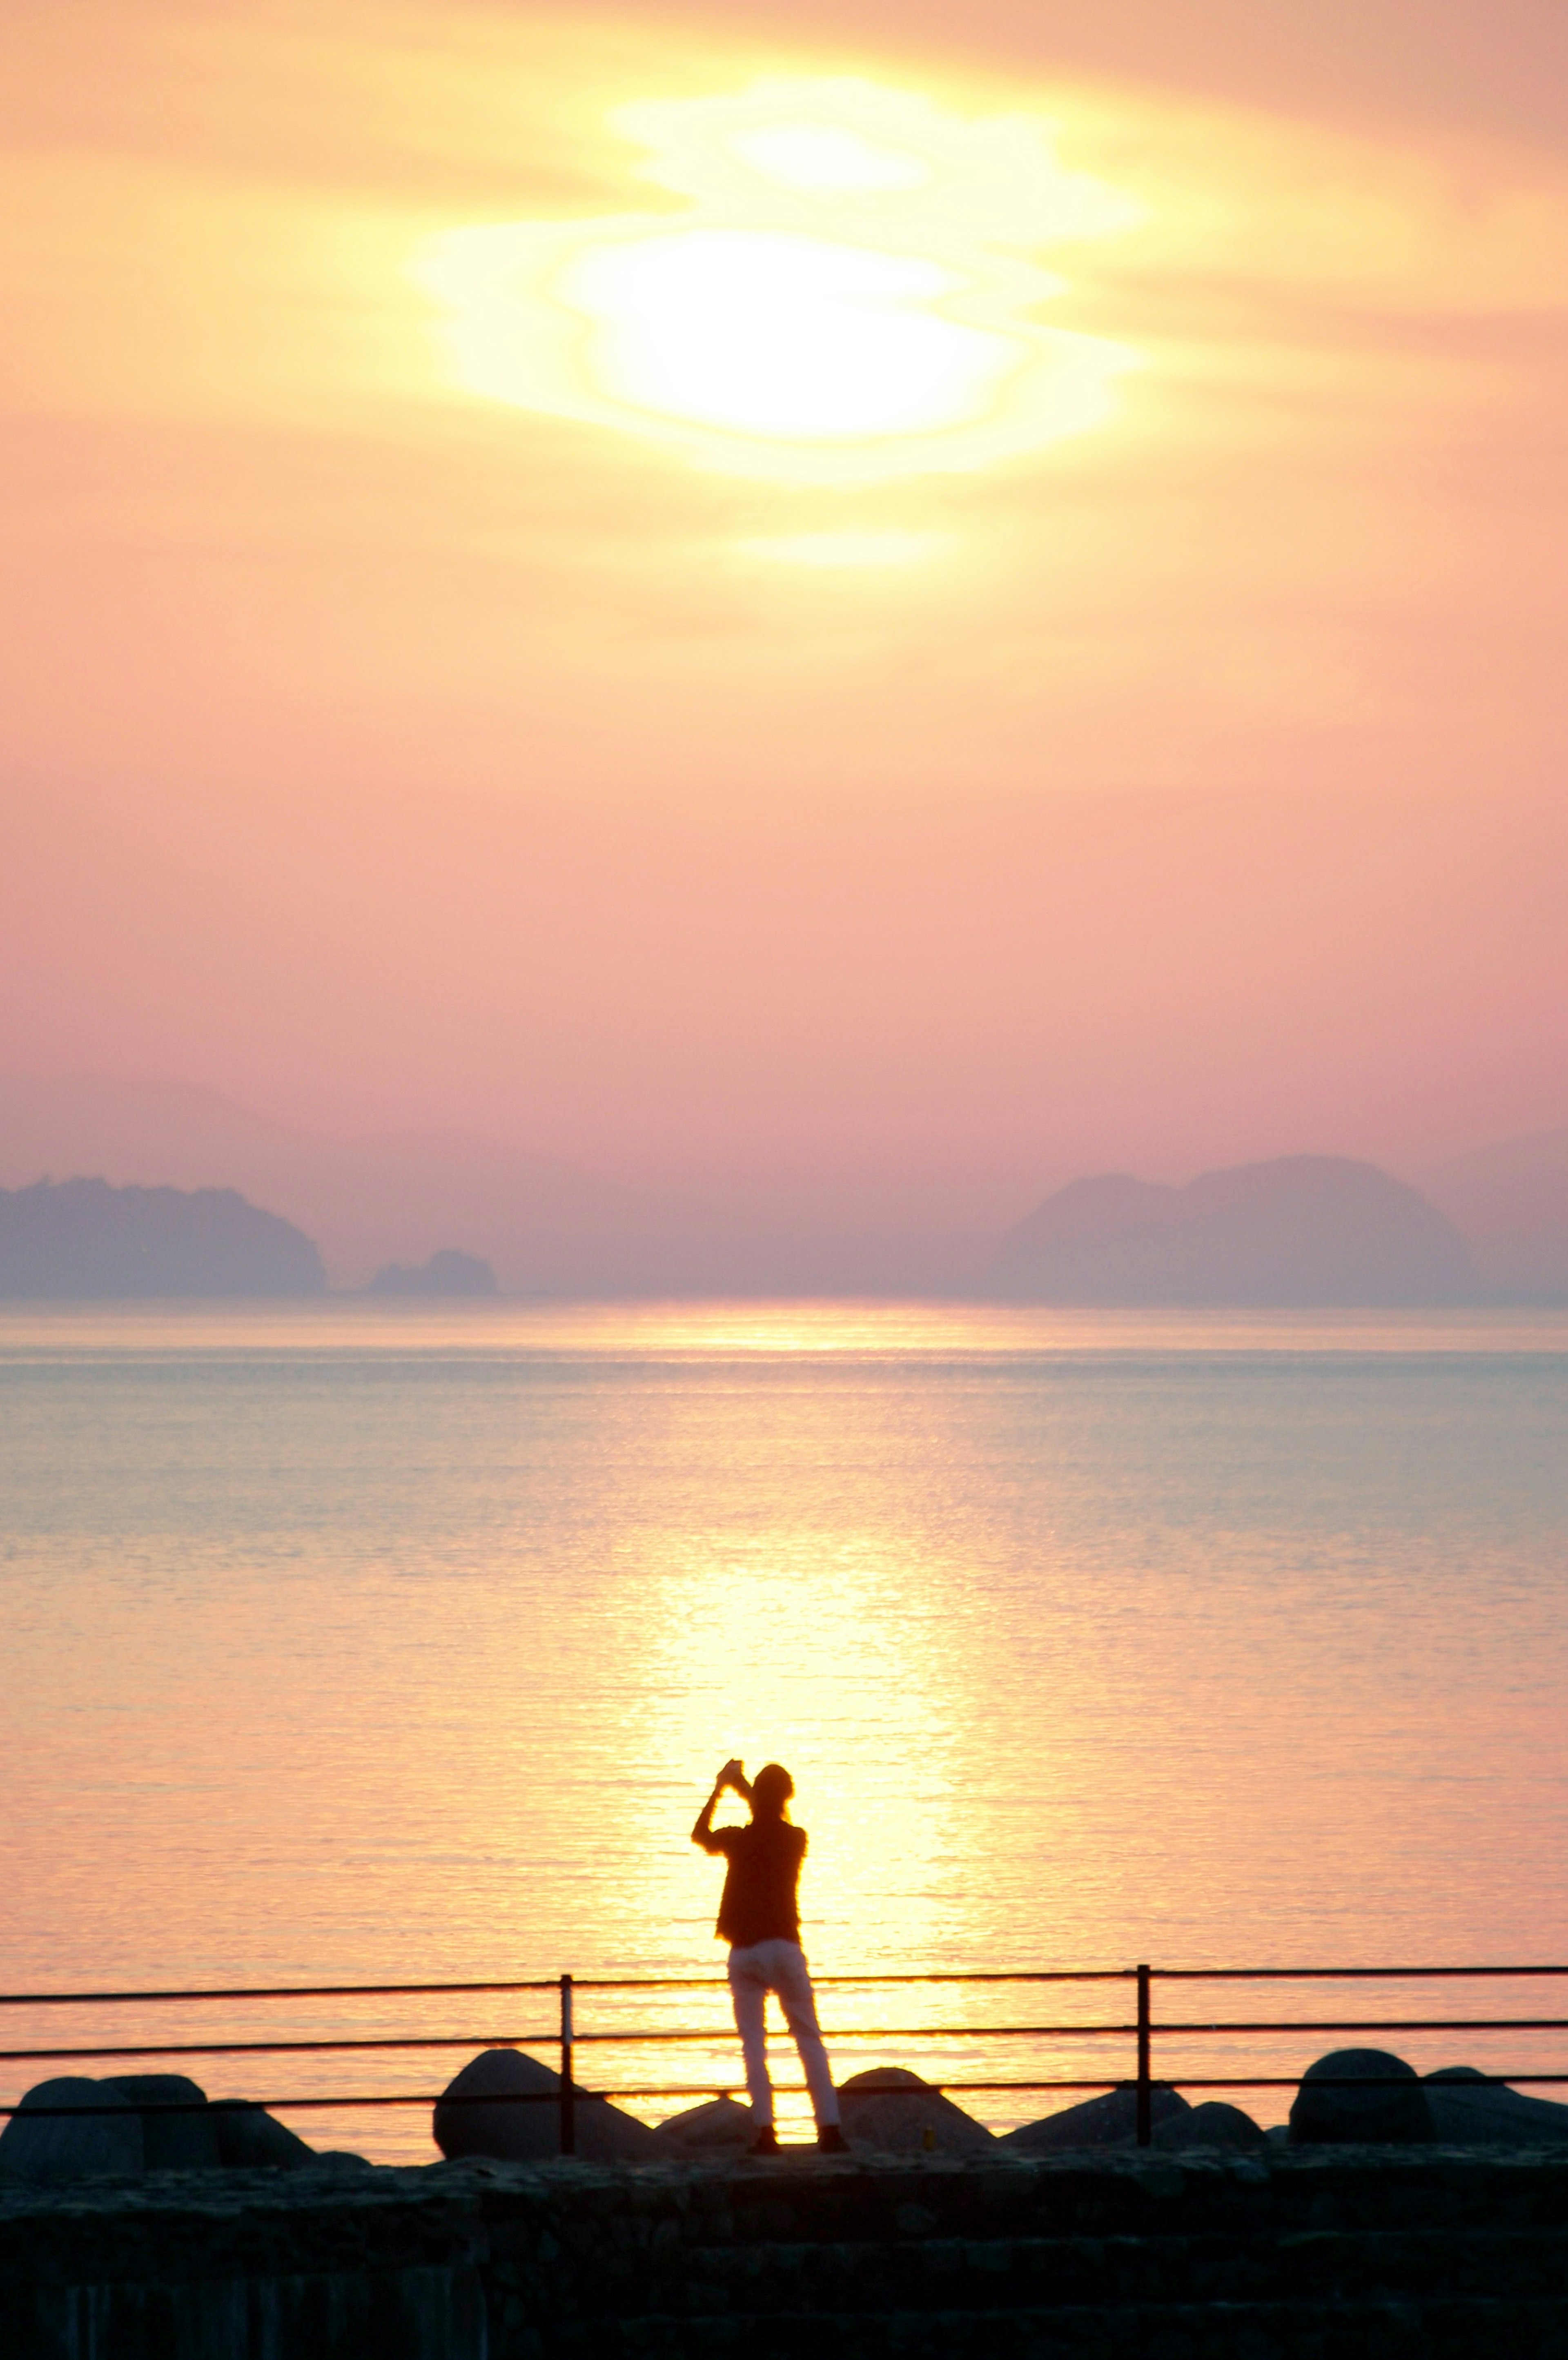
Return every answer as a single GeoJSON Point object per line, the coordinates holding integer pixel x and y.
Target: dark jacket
{"type": "Point", "coordinates": [758, 1901]}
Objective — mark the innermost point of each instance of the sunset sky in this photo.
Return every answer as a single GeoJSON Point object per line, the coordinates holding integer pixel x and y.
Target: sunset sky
{"type": "Point", "coordinates": [818, 592]}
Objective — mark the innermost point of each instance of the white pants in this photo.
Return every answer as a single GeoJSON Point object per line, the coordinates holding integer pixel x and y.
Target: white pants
{"type": "Point", "coordinates": [777, 1966]}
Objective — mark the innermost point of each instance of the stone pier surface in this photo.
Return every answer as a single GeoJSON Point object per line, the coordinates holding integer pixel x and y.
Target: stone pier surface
{"type": "Point", "coordinates": [1325, 2253]}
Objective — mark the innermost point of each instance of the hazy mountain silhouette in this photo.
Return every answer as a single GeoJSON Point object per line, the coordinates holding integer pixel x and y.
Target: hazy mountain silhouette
{"type": "Point", "coordinates": [1303, 1229]}
{"type": "Point", "coordinates": [1511, 1202]}
{"type": "Point", "coordinates": [380, 1197]}
{"type": "Point", "coordinates": [81, 1239]}
{"type": "Point", "coordinates": [447, 1272]}
{"type": "Point", "coordinates": [545, 1225]}
{"type": "Point", "coordinates": [548, 1227]}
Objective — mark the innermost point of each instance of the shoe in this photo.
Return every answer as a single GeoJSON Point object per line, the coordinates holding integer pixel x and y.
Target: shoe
{"type": "Point", "coordinates": [765, 2143]}
{"type": "Point", "coordinates": [830, 2140]}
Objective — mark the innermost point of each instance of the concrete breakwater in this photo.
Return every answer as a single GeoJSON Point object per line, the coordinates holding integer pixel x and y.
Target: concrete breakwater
{"type": "Point", "coordinates": [1395, 2214]}
{"type": "Point", "coordinates": [1357, 2251]}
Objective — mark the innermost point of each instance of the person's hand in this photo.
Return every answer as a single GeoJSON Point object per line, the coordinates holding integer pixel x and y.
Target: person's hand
{"type": "Point", "coordinates": [732, 1775]}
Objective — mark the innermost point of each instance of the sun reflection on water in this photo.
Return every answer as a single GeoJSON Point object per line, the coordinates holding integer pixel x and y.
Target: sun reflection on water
{"type": "Point", "coordinates": [360, 1647]}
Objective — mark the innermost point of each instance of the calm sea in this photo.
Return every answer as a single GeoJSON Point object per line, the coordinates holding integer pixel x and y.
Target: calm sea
{"type": "Point", "coordinates": [363, 1645]}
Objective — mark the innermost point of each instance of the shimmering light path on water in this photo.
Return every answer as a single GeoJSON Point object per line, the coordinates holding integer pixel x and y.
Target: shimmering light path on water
{"type": "Point", "coordinates": [352, 1645]}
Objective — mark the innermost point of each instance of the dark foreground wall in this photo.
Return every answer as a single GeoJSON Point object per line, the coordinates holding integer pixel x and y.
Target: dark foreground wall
{"type": "Point", "coordinates": [1349, 2251]}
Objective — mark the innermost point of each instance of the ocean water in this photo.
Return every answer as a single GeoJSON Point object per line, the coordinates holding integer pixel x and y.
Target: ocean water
{"type": "Point", "coordinates": [365, 1645]}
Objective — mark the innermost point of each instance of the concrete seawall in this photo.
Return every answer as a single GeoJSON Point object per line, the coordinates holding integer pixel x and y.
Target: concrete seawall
{"type": "Point", "coordinates": [1197, 2257]}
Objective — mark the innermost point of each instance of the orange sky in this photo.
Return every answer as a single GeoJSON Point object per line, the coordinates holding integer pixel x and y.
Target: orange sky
{"type": "Point", "coordinates": [1184, 787]}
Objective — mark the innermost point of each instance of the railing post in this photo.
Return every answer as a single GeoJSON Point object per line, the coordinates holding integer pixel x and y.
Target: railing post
{"type": "Point", "coordinates": [568, 2095]}
{"type": "Point", "coordinates": [1145, 2090]}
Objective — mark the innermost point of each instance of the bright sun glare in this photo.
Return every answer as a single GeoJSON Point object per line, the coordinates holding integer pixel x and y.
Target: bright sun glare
{"type": "Point", "coordinates": [803, 339]}
{"type": "Point", "coordinates": [846, 298]}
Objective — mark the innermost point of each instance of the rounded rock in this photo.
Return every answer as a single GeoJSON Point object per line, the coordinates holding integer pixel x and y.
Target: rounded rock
{"type": "Point", "coordinates": [108, 2141]}
{"type": "Point", "coordinates": [719, 2126]}
{"type": "Point", "coordinates": [1469, 2111]}
{"type": "Point", "coordinates": [1360, 2112]}
{"type": "Point", "coordinates": [171, 2140]}
{"type": "Point", "coordinates": [521, 2125]}
{"type": "Point", "coordinates": [893, 2110]}
{"type": "Point", "coordinates": [250, 2139]}
{"type": "Point", "coordinates": [1212, 2125]}
{"type": "Point", "coordinates": [1108, 2121]}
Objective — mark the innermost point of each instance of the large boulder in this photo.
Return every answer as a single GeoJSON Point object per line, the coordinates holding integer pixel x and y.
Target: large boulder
{"type": "Point", "coordinates": [530, 2132]}
{"type": "Point", "coordinates": [72, 2146]}
{"type": "Point", "coordinates": [718, 2127]}
{"type": "Point", "coordinates": [250, 2139]}
{"type": "Point", "coordinates": [1212, 2125]}
{"type": "Point", "coordinates": [1372, 2115]}
{"type": "Point", "coordinates": [1469, 2111]}
{"type": "Point", "coordinates": [892, 2109]}
{"type": "Point", "coordinates": [1109, 2120]}
{"type": "Point", "coordinates": [171, 2141]}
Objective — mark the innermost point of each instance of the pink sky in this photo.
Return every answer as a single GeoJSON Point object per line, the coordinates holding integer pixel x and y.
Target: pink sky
{"type": "Point", "coordinates": [380, 752]}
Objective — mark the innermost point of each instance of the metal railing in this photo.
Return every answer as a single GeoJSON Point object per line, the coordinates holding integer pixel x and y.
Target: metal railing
{"type": "Point", "coordinates": [567, 2036]}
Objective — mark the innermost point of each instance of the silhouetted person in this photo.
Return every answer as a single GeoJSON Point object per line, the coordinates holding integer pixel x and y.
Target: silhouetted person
{"type": "Point", "coordinates": [759, 1918]}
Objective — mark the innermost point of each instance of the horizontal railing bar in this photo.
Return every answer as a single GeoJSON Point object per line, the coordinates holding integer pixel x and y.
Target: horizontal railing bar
{"type": "Point", "coordinates": [550, 1984]}
{"type": "Point", "coordinates": [266, 1991]}
{"type": "Point", "coordinates": [500, 2098]}
{"type": "Point", "coordinates": [999, 1975]}
{"type": "Point", "coordinates": [903, 2032]}
{"type": "Point", "coordinates": [1329, 1974]}
{"type": "Point", "coordinates": [654, 2038]}
{"type": "Point", "coordinates": [1374, 2024]}
{"type": "Point", "coordinates": [288, 2047]}
{"type": "Point", "coordinates": [416, 2098]}
{"type": "Point", "coordinates": [718, 2038]}
{"type": "Point", "coordinates": [1338, 2081]}
{"type": "Point", "coordinates": [1123, 2081]}
{"type": "Point", "coordinates": [719, 1983]}
{"type": "Point", "coordinates": [860, 1982]}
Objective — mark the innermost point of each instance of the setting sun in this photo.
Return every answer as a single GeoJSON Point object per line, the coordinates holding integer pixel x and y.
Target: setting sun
{"type": "Point", "coordinates": [848, 298]}
{"type": "Point", "coordinates": [798, 338]}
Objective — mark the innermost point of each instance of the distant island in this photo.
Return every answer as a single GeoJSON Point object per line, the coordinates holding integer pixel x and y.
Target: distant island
{"type": "Point", "coordinates": [82, 1239]}
{"type": "Point", "coordinates": [1300, 1230]}
{"type": "Point", "coordinates": [552, 1230]}
{"type": "Point", "coordinates": [447, 1272]}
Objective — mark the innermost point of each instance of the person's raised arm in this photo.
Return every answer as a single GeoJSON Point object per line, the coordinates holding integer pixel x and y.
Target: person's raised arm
{"type": "Point", "coordinates": [732, 1775]}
